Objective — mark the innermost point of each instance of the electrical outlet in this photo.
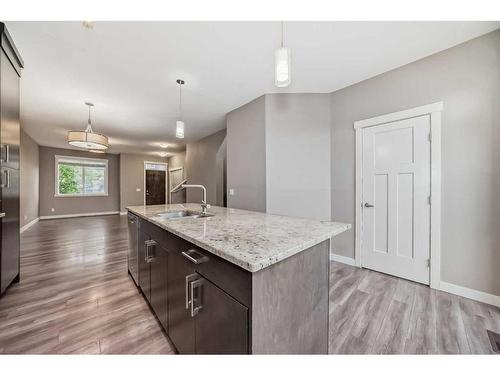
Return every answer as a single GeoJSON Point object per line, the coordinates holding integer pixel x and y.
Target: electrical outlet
{"type": "Point", "coordinates": [231, 191]}
{"type": "Point", "coordinates": [138, 189]}
{"type": "Point", "coordinates": [25, 217]}
{"type": "Point", "coordinates": [52, 209]}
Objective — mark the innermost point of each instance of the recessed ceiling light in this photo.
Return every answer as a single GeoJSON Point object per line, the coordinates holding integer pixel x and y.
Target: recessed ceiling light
{"type": "Point", "coordinates": [163, 145]}
{"type": "Point", "coordinates": [88, 24]}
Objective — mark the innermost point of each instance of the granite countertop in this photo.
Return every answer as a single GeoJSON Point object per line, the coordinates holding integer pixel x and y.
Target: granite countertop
{"type": "Point", "coordinates": [251, 240]}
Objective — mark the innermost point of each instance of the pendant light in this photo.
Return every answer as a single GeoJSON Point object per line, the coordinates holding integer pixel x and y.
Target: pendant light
{"type": "Point", "coordinates": [179, 124]}
{"type": "Point", "coordinates": [282, 64]}
{"type": "Point", "coordinates": [88, 139]}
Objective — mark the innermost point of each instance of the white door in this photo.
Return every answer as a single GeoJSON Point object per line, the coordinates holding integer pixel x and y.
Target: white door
{"type": "Point", "coordinates": [396, 198]}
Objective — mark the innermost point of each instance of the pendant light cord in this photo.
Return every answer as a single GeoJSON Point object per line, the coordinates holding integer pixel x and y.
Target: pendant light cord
{"type": "Point", "coordinates": [282, 33]}
{"type": "Point", "coordinates": [180, 101]}
{"type": "Point", "coordinates": [89, 122]}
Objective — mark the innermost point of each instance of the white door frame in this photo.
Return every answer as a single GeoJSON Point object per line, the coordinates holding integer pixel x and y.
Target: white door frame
{"type": "Point", "coordinates": [166, 179]}
{"type": "Point", "coordinates": [434, 111]}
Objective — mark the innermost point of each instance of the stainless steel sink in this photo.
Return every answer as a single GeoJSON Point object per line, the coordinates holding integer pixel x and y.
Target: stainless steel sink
{"type": "Point", "coordinates": [183, 214]}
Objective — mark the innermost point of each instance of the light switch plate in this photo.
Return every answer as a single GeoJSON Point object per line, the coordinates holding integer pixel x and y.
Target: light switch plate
{"type": "Point", "coordinates": [231, 191]}
{"type": "Point", "coordinates": [138, 189]}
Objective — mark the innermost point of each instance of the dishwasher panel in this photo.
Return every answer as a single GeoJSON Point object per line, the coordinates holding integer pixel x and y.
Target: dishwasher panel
{"type": "Point", "coordinates": [133, 247]}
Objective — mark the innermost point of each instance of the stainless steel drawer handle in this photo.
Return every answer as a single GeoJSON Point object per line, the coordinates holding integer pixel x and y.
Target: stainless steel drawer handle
{"type": "Point", "coordinates": [194, 256]}
{"type": "Point", "coordinates": [189, 278]}
{"type": "Point", "coordinates": [196, 296]}
{"type": "Point", "coordinates": [149, 253]}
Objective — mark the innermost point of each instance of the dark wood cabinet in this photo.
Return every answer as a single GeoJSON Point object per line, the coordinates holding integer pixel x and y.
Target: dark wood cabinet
{"type": "Point", "coordinates": [221, 323]}
{"type": "Point", "coordinates": [199, 298]}
{"type": "Point", "coordinates": [144, 268]}
{"type": "Point", "coordinates": [181, 325]}
{"type": "Point", "coordinates": [203, 318]}
{"type": "Point", "coordinates": [153, 261]}
{"type": "Point", "coordinates": [158, 277]}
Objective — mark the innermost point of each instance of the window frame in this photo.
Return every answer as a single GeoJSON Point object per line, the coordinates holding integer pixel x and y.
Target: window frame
{"type": "Point", "coordinates": [59, 158]}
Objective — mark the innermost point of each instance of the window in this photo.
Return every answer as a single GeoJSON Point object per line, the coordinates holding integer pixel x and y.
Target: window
{"type": "Point", "coordinates": [81, 176]}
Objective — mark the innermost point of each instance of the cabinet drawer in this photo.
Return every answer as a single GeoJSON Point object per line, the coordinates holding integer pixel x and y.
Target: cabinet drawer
{"type": "Point", "coordinates": [233, 280]}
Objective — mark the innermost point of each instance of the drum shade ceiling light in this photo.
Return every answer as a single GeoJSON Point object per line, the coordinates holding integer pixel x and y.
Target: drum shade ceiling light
{"type": "Point", "coordinates": [88, 139]}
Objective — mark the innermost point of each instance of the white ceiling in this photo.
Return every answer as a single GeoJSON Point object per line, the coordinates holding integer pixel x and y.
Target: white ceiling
{"type": "Point", "coordinates": [128, 69]}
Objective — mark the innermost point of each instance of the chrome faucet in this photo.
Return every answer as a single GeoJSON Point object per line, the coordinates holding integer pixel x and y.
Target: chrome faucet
{"type": "Point", "coordinates": [204, 205]}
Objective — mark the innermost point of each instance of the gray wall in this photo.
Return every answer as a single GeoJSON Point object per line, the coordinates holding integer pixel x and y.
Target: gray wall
{"type": "Point", "coordinates": [278, 150]}
{"type": "Point", "coordinates": [201, 166]}
{"type": "Point", "coordinates": [298, 155]}
{"type": "Point", "coordinates": [178, 160]}
{"type": "Point", "coordinates": [467, 79]}
{"type": "Point", "coordinates": [29, 189]}
{"type": "Point", "coordinates": [75, 205]}
{"type": "Point", "coordinates": [132, 178]}
{"type": "Point", "coordinates": [246, 156]}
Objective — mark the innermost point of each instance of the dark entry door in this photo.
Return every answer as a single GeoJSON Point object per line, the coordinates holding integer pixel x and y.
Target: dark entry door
{"type": "Point", "coordinates": [155, 187]}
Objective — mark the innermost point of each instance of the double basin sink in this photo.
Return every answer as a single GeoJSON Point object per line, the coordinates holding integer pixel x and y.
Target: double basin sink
{"type": "Point", "coordinates": [182, 214]}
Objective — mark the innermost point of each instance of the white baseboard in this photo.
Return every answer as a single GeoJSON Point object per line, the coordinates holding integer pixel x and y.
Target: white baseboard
{"type": "Point", "coordinates": [79, 215]}
{"type": "Point", "coordinates": [31, 223]}
{"type": "Point", "coordinates": [476, 295]}
{"type": "Point", "coordinates": [342, 259]}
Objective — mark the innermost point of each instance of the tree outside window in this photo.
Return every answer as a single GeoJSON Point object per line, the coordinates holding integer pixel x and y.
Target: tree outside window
{"type": "Point", "coordinates": [81, 176]}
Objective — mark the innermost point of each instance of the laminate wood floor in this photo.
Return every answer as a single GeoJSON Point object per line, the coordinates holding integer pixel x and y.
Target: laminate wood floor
{"type": "Point", "coordinates": [374, 313]}
{"type": "Point", "coordinates": [75, 296]}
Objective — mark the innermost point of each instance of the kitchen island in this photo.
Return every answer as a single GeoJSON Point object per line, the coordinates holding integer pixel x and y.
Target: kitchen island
{"type": "Point", "coordinates": [235, 281]}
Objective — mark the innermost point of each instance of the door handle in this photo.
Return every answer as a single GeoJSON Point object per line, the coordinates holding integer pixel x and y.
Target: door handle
{"type": "Point", "coordinates": [367, 205]}
{"type": "Point", "coordinates": [189, 278]}
{"type": "Point", "coordinates": [149, 254]}
{"type": "Point", "coordinates": [196, 289]}
{"type": "Point", "coordinates": [5, 179]}
{"type": "Point", "coordinates": [6, 158]}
